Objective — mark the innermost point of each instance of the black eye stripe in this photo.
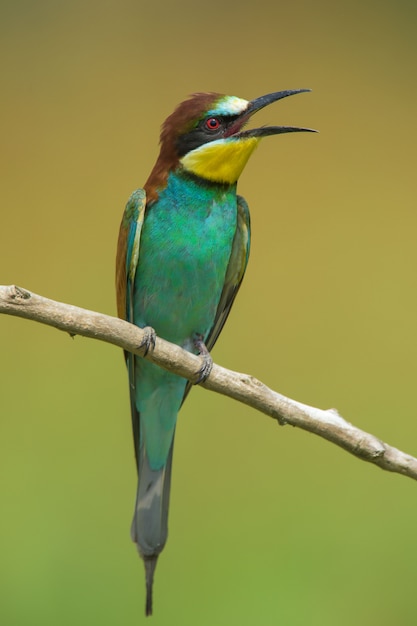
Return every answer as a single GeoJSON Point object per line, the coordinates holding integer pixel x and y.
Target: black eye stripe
{"type": "Point", "coordinates": [202, 133]}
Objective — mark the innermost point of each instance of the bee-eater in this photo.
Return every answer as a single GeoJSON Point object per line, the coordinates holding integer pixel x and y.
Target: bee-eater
{"type": "Point", "coordinates": [182, 253]}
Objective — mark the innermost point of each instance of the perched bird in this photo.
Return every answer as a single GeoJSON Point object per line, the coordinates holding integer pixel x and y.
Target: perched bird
{"type": "Point", "coordinates": [182, 253]}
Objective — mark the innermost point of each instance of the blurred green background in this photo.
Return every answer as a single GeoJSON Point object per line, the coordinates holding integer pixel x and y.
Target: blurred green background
{"type": "Point", "coordinates": [268, 525]}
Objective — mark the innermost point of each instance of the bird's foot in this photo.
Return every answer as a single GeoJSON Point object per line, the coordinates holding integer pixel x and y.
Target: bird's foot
{"type": "Point", "coordinates": [149, 340]}
{"type": "Point", "coordinates": [207, 365]}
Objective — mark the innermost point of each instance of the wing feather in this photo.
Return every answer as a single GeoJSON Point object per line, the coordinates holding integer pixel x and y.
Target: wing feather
{"type": "Point", "coordinates": [126, 264]}
{"type": "Point", "coordinates": [234, 275]}
{"type": "Point", "coordinates": [128, 252]}
{"type": "Point", "coordinates": [235, 271]}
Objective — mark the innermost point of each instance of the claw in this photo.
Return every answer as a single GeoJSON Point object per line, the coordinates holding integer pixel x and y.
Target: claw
{"type": "Point", "coordinates": [149, 340]}
{"type": "Point", "coordinates": [207, 364]}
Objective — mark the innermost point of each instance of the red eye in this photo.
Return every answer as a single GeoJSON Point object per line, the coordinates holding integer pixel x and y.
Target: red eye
{"type": "Point", "coordinates": [212, 123]}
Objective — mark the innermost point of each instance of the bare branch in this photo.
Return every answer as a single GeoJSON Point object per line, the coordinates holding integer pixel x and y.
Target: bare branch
{"type": "Point", "coordinates": [325, 423]}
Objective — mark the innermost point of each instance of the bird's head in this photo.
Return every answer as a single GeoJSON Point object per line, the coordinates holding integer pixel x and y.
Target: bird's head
{"type": "Point", "coordinates": [204, 136]}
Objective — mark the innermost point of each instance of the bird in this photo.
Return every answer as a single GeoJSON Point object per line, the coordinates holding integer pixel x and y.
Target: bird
{"type": "Point", "coordinates": [182, 253]}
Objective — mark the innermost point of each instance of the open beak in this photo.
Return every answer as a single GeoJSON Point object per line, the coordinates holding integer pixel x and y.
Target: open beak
{"type": "Point", "coordinates": [260, 103]}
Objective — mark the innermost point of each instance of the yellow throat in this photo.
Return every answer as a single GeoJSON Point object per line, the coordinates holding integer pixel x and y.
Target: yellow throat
{"type": "Point", "coordinates": [220, 161]}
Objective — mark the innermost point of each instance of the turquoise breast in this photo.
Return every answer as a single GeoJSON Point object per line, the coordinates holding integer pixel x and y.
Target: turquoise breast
{"type": "Point", "coordinates": [185, 249]}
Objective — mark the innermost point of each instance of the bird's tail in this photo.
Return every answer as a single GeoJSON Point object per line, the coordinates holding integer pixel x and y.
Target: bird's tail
{"type": "Point", "coordinates": [150, 521]}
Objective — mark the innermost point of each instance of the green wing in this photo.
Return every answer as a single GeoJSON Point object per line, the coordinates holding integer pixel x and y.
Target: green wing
{"type": "Point", "coordinates": [128, 252]}
{"type": "Point", "coordinates": [234, 275]}
{"type": "Point", "coordinates": [126, 265]}
{"type": "Point", "coordinates": [235, 271]}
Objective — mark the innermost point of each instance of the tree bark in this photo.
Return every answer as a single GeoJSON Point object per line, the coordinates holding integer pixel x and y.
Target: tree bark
{"type": "Point", "coordinates": [242, 387]}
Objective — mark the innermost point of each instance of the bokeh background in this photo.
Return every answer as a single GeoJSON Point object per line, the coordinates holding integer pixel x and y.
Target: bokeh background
{"type": "Point", "coordinates": [268, 525]}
